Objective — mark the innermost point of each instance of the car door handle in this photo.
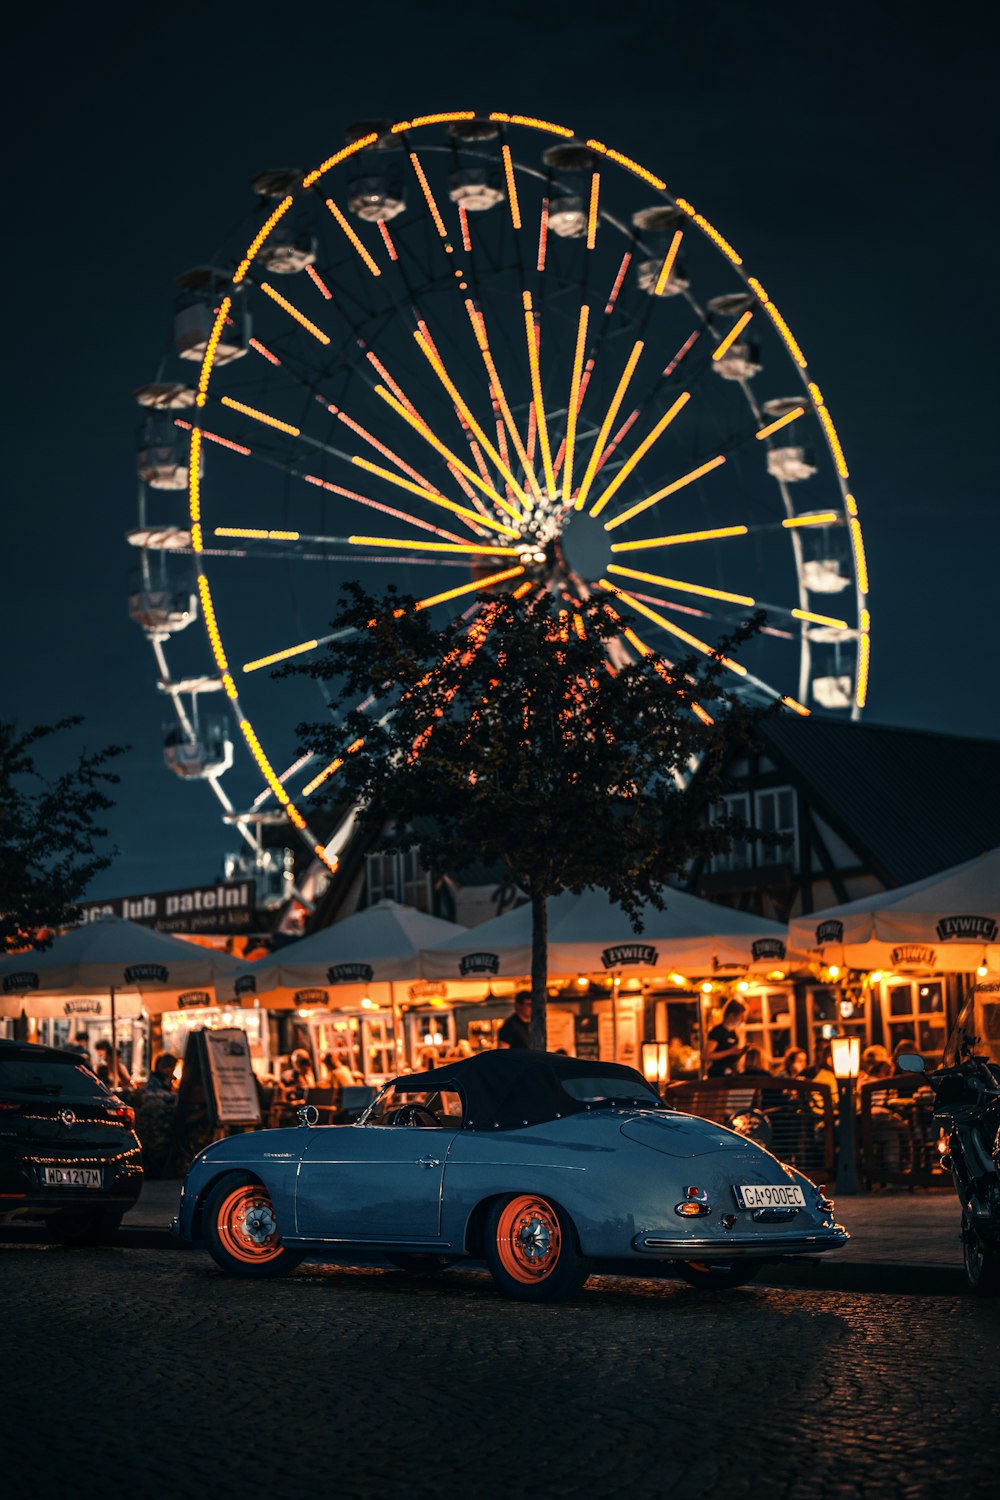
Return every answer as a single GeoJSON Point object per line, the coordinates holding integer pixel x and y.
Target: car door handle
{"type": "Point", "coordinates": [428, 1161]}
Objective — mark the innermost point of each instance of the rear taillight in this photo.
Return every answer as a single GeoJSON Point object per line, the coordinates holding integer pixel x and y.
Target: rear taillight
{"type": "Point", "coordinates": [8, 1107]}
{"type": "Point", "coordinates": [123, 1112]}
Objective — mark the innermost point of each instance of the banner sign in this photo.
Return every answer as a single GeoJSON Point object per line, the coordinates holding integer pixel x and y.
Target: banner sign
{"type": "Point", "coordinates": [830, 932]}
{"type": "Point", "coordinates": [350, 974]}
{"type": "Point", "coordinates": [629, 953]}
{"type": "Point", "coordinates": [227, 906]}
{"type": "Point", "coordinates": [909, 954]}
{"type": "Point", "coordinates": [767, 948]}
{"type": "Point", "coordinates": [16, 984]}
{"type": "Point", "coordinates": [479, 963]}
{"type": "Point", "coordinates": [967, 929]}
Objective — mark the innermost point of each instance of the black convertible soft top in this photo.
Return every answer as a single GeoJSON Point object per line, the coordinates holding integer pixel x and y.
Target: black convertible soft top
{"type": "Point", "coordinates": [507, 1089]}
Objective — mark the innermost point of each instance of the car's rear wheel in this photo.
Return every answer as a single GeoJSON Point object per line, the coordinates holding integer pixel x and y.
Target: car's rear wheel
{"type": "Point", "coordinates": [719, 1276]}
{"type": "Point", "coordinates": [531, 1249]}
{"type": "Point", "coordinates": [982, 1261]}
{"type": "Point", "coordinates": [94, 1226]}
{"type": "Point", "coordinates": [241, 1230]}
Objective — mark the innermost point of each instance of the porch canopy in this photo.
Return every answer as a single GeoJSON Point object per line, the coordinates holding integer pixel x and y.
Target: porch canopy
{"type": "Point", "coordinates": [338, 965]}
{"type": "Point", "coordinates": [108, 959]}
{"type": "Point", "coordinates": [590, 934]}
{"type": "Point", "coordinates": [947, 923]}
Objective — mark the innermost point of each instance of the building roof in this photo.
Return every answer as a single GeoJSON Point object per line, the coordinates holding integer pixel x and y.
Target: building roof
{"type": "Point", "coordinates": [914, 802]}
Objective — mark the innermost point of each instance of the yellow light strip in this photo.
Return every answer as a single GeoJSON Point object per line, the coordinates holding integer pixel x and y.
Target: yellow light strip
{"type": "Point", "coordinates": [668, 264]}
{"type": "Point", "coordinates": [411, 546]}
{"type": "Point", "coordinates": [429, 196]}
{"type": "Point", "coordinates": [457, 114]}
{"type": "Point", "coordinates": [608, 423]}
{"type": "Point", "coordinates": [640, 452]}
{"type": "Point", "coordinates": [293, 312]}
{"type": "Point", "coordinates": [259, 239]}
{"type": "Point", "coordinates": [523, 588]}
{"type": "Point", "coordinates": [543, 235]}
{"type": "Point", "coordinates": [733, 334]}
{"type": "Point", "coordinates": [852, 505]}
{"type": "Point", "coordinates": [574, 404]}
{"type": "Point", "coordinates": [476, 585]}
{"type": "Point", "coordinates": [437, 365]}
{"type": "Point", "coordinates": [497, 390]}
{"type": "Point", "coordinates": [211, 625]}
{"type": "Point", "coordinates": [804, 614]}
{"type": "Point", "coordinates": [791, 416]}
{"type": "Point", "coordinates": [276, 656]}
{"type": "Point", "coordinates": [339, 156]}
{"type": "Point", "coordinates": [829, 429]}
{"type": "Point", "coordinates": [194, 475]}
{"type": "Point", "coordinates": [267, 771]}
{"type": "Point", "coordinates": [379, 446]}
{"type": "Point", "coordinates": [684, 588]}
{"type": "Point", "coordinates": [798, 707]}
{"type": "Point", "coordinates": [779, 323]}
{"type": "Point", "coordinates": [670, 489]}
{"type": "Point", "coordinates": [661, 620]}
{"type": "Point", "coordinates": [334, 765]}
{"type": "Point", "coordinates": [626, 161]}
{"type": "Point", "coordinates": [262, 348]}
{"type": "Point", "coordinates": [260, 416]}
{"type": "Point", "coordinates": [595, 191]}
{"type": "Point", "coordinates": [210, 348]}
{"type": "Point", "coordinates": [822, 518]}
{"type": "Point", "coordinates": [418, 424]}
{"type": "Point", "coordinates": [857, 542]}
{"type": "Point", "coordinates": [383, 230]}
{"type": "Point", "coordinates": [508, 167]}
{"type": "Point", "coordinates": [532, 123]}
{"type": "Point", "coordinates": [257, 533]}
{"type": "Point", "coordinates": [433, 498]}
{"type": "Point", "coordinates": [353, 237]}
{"type": "Point", "coordinates": [536, 395]}
{"type": "Point", "coordinates": [711, 231]}
{"type": "Point", "coordinates": [679, 538]}
{"type": "Point", "coordinates": [864, 659]}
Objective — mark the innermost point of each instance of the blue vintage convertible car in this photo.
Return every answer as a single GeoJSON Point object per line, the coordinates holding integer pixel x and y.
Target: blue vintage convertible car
{"type": "Point", "coordinates": [544, 1165]}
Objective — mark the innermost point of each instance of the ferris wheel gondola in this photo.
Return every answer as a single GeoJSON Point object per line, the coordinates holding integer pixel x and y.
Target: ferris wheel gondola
{"type": "Point", "coordinates": [473, 352]}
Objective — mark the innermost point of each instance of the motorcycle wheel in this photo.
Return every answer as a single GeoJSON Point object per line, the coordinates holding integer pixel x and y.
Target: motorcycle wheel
{"type": "Point", "coordinates": [982, 1261]}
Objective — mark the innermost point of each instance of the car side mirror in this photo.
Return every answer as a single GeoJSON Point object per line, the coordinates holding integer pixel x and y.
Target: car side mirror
{"type": "Point", "coordinates": [910, 1062]}
{"type": "Point", "coordinates": [308, 1114]}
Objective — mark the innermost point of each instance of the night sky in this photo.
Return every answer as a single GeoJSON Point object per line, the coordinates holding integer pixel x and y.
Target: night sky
{"type": "Point", "coordinates": [845, 150]}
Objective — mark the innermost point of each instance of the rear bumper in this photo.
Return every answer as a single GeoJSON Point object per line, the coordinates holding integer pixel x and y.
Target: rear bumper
{"type": "Point", "coordinates": [743, 1246]}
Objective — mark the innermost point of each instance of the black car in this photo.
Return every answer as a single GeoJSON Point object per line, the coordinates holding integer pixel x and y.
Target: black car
{"type": "Point", "coordinates": [69, 1153]}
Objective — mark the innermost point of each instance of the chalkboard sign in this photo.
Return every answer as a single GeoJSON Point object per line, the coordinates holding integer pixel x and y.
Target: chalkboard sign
{"type": "Point", "coordinates": [586, 1038]}
{"type": "Point", "coordinates": [232, 1088]}
{"type": "Point", "coordinates": [217, 1089]}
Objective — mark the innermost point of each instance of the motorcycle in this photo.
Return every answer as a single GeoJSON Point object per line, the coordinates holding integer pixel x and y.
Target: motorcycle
{"type": "Point", "coordinates": [967, 1103]}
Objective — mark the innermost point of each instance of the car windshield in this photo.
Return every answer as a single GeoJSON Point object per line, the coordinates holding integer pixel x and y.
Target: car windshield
{"type": "Point", "coordinates": [49, 1077]}
{"type": "Point", "coordinates": [977, 1029]}
{"type": "Point", "coordinates": [399, 1105]}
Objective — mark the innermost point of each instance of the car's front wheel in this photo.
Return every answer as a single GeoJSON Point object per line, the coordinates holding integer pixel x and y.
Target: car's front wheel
{"type": "Point", "coordinates": [721, 1276]}
{"type": "Point", "coordinates": [241, 1230]}
{"type": "Point", "coordinates": [531, 1249]}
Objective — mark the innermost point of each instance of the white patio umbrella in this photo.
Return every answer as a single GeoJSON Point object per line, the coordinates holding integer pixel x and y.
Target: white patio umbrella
{"type": "Point", "coordinates": [115, 968]}
{"type": "Point", "coordinates": [948, 923]}
{"type": "Point", "coordinates": [341, 963]}
{"type": "Point", "coordinates": [588, 934]}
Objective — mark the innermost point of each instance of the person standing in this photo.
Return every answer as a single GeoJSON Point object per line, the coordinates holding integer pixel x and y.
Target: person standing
{"type": "Point", "coordinates": [516, 1030]}
{"type": "Point", "coordinates": [727, 1041]}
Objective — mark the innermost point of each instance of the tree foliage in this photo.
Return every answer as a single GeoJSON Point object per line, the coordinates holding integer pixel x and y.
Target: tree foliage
{"type": "Point", "coordinates": [545, 741]}
{"type": "Point", "coordinates": [48, 833]}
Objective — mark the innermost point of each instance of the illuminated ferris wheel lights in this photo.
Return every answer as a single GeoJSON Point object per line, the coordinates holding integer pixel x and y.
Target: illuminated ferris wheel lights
{"type": "Point", "coordinates": [477, 585]}
{"type": "Point", "coordinates": [731, 337]}
{"type": "Point", "coordinates": [816, 518]}
{"type": "Point", "coordinates": [211, 625]}
{"type": "Point", "coordinates": [276, 656]}
{"type": "Point", "coordinates": [710, 230]}
{"type": "Point", "coordinates": [798, 707]}
{"type": "Point", "coordinates": [805, 614]}
{"type": "Point", "coordinates": [210, 350]}
{"type": "Point", "coordinates": [257, 533]}
{"type": "Point", "coordinates": [537, 401]}
{"type": "Point", "coordinates": [508, 168]}
{"type": "Point", "coordinates": [320, 286]}
{"type": "Point", "coordinates": [857, 542]}
{"type": "Point", "coordinates": [469, 548]}
{"type": "Point", "coordinates": [380, 447]}
{"type": "Point", "coordinates": [779, 323]}
{"type": "Point", "coordinates": [829, 429]}
{"type": "Point", "coordinates": [354, 239]}
{"type": "Point", "coordinates": [626, 161]}
{"type": "Point", "coordinates": [595, 192]}
{"type": "Point", "coordinates": [429, 198]}
{"type": "Point", "coordinates": [668, 264]}
{"type": "Point", "coordinates": [670, 489]}
{"type": "Point", "coordinates": [543, 236]}
{"type": "Point", "coordinates": [293, 312]}
{"type": "Point", "coordinates": [263, 351]}
{"type": "Point", "coordinates": [684, 588]}
{"type": "Point", "coordinates": [668, 625]}
{"type": "Point", "coordinates": [790, 416]}
{"type": "Point", "coordinates": [433, 498]}
{"type": "Point", "coordinates": [641, 451]}
{"type": "Point", "coordinates": [413, 418]}
{"type": "Point", "coordinates": [573, 409]}
{"type": "Point", "coordinates": [715, 534]}
{"type": "Point", "coordinates": [339, 156]}
{"type": "Point", "coordinates": [213, 437]}
{"type": "Point", "coordinates": [608, 423]}
{"type": "Point", "coordinates": [260, 237]}
{"type": "Point", "coordinates": [260, 416]}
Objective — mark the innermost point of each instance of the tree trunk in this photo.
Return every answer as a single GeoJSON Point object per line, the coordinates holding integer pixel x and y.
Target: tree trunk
{"type": "Point", "coordinates": [539, 970]}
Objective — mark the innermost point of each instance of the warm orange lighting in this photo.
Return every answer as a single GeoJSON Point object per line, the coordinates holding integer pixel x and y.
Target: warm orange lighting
{"type": "Point", "coordinates": [328, 771]}
{"type": "Point", "coordinates": [821, 518]}
{"type": "Point", "coordinates": [779, 322]}
{"type": "Point", "coordinates": [380, 447]}
{"type": "Point", "coordinates": [256, 533]}
{"type": "Point", "coordinates": [213, 437]}
{"type": "Point", "coordinates": [684, 588]}
{"type": "Point", "coordinates": [731, 337]}
{"type": "Point", "coordinates": [711, 231]}
{"type": "Point", "coordinates": [276, 656]}
{"type": "Point", "coordinates": [683, 536]}
{"type": "Point", "coordinates": [864, 657]}
{"type": "Point", "coordinates": [573, 409]}
{"type": "Point", "coordinates": [613, 296]}
{"type": "Point", "coordinates": [433, 498]}
{"type": "Point", "coordinates": [429, 196]}
{"type": "Point", "coordinates": [508, 167]}
{"type": "Point", "coordinates": [668, 263]}
{"type": "Point", "coordinates": [259, 239]}
{"type": "Point", "coordinates": [640, 452]}
{"type": "Point", "coordinates": [260, 348]}
{"type": "Point", "coordinates": [668, 625]}
{"type": "Point", "coordinates": [339, 156]}
{"type": "Point", "coordinates": [608, 422]}
{"type": "Point", "coordinates": [830, 430]}
{"type": "Point", "coordinates": [414, 420]}
{"type": "Point", "coordinates": [532, 123]}
{"type": "Point", "coordinates": [476, 548]}
{"type": "Point", "coordinates": [456, 114]}
{"type": "Point", "coordinates": [857, 542]}
{"type": "Point", "coordinates": [210, 348]}
{"type": "Point", "coordinates": [260, 416]}
{"type": "Point", "coordinates": [595, 192]}
{"type": "Point", "coordinates": [543, 235]}
{"type": "Point", "coordinates": [319, 284]}
{"type": "Point", "coordinates": [293, 312]}
{"type": "Point", "coordinates": [670, 489]}
{"type": "Point", "coordinates": [477, 584]}
{"type": "Point", "coordinates": [461, 406]}
{"type": "Point", "coordinates": [790, 416]}
{"type": "Point", "coordinates": [383, 230]}
{"type": "Point", "coordinates": [352, 235]}
{"type": "Point", "coordinates": [793, 703]}
{"type": "Point", "coordinates": [804, 614]}
{"type": "Point", "coordinates": [536, 394]}
{"type": "Point", "coordinates": [627, 162]}
{"type": "Point", "coordinates": [523, 588]}
{"type": "Point", "coordinates": [852, 505]}
{"type": "Point", "coordinates": [211, 625]}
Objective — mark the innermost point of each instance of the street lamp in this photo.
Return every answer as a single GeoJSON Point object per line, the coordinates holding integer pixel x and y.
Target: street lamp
{"type": "Point", "coordinates": [846, 1052]}
{"type": "Point", "coordinates": [656, 1064]}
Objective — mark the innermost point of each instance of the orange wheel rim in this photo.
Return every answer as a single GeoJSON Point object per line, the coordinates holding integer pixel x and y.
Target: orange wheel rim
{"type": "Point", "coordinates": [247, 1227]}
{"type": "Point", "coordinates": [529, 1240]}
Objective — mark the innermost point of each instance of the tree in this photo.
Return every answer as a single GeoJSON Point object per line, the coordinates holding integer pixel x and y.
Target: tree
{"type": "Point", "coordinates": [48, 833]}
{"type": "Point", "coordinates": [548, 740]}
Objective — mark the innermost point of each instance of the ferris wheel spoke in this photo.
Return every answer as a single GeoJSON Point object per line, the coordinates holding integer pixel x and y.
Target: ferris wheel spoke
{"type": "Point", "coordinates": [302, 649]}
{"type": "Point", "coordinates": [607, 423]}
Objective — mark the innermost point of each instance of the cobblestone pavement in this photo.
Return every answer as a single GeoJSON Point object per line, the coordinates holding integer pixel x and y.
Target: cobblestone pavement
{"type": "Point", "coordinates": [134, 1373]}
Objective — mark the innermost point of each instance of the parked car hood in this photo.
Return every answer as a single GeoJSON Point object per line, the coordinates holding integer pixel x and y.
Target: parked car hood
{"type": "Point", "coordinates": [682, 1135]}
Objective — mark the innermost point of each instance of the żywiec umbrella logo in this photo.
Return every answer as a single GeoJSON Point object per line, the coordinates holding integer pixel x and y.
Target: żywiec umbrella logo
{"type": "Point", "coordinates": [193, 998]}
{"type": "Point", "coordinates": [14, 983]}
{"type": "Point", "coordinates": [767, 948]}
{"type": "Point", "coordinates": [913, 953]}
{"type": "Point", "coordinates": [623, 954]}
{"type": "Point", "coordinates": [479, 963]}
{"type": "Point", "coordinates": [146, 974]}
{"type": "Point", "coordinates": [830, 932]}
{"type": "Point", "coordinates": [350, 974]}
{"type": "Point", "coordinates": [966, 928]}
{"type": "Point", "coordinates": [83, 1008]}
{"type": "Point", "coordinates": [246, 984]}
{"type": "Point", "coordinates": [310, 997]}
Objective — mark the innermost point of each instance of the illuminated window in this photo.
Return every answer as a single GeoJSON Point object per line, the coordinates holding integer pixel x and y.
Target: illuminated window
{"type": "Point", "coordinates": [914, 1011]}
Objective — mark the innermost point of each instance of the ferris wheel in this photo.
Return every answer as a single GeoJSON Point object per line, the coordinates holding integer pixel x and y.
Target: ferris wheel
{"type": "Point", "coordinates": [471, 352]}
